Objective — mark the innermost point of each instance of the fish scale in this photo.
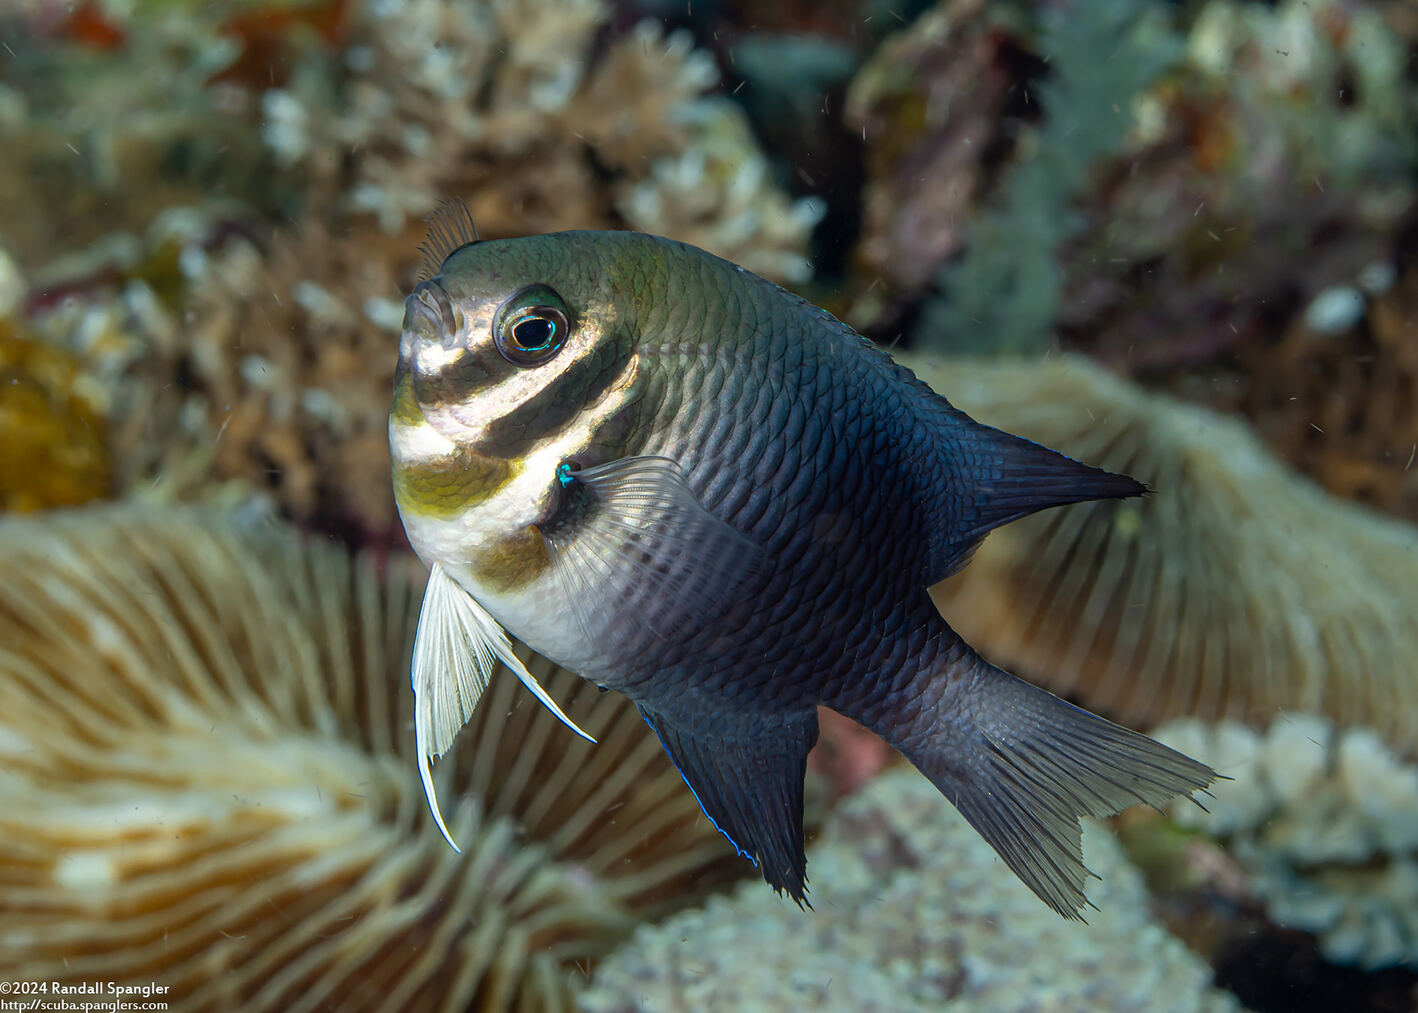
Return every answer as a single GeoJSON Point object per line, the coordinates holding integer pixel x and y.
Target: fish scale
{"type": "Point", "coordinates": [740, 531]}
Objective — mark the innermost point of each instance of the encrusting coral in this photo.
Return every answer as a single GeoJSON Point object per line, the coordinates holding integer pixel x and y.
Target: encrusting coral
{"type": "Point", "coordinates": [912, 912]}
{"type": "Point", "coordinates": [53, 448]}
{"type": "Point", "coordinates": [1325, 824]}
{"type": "Point", "coordinates": [1235, 589]}
{"type": "Point", "coordinates": [208, 782]}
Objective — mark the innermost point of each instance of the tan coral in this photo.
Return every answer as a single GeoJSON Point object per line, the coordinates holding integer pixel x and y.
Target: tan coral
{"type": "Point", "coordinates": [209, 784]}
{"type": "Point", "coordinates": [263, 376]}
{"type": "Point", "coordinates": [719, 195]}
{"type": "Point", "coordinates": [1237, 589]}
{"type": "Point", "coordinates": [506, 105]}
{"type": "Point", "coordinates": [267, 355]}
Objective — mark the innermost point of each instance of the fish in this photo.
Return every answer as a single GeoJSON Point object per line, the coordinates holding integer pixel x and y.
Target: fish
{"type": "Point", "coordinates": [696, 489]}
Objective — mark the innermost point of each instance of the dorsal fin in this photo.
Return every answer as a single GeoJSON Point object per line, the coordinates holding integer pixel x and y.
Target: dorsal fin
{"type": "Point", "coordinates": [450, 226]}
{"type": "Point", "coordinates": [1012, 478]}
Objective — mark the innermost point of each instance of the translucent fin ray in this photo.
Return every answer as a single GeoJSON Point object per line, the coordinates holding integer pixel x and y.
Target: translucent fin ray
{"type": "Point", "coordinates": [450, 226]}
{"type": "Point", "coordinates": [640, 559]}
{"type": "Point", "coordinates": [456, 648]}
{"type": "Point", "coordinates": [1023, 766]}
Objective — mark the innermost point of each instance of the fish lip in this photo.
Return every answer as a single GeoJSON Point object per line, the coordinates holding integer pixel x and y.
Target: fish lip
{"type": "Point", "coordinates": [429, 311]}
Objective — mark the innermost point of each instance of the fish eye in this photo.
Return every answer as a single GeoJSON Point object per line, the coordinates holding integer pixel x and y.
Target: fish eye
{"type": "Point", "coordinates": [531, 326]}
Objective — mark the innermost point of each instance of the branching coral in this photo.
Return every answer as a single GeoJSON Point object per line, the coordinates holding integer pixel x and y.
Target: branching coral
{"type": "Point", "coordinates": [266, 354]}
{"type": "Point", "coordinates": [258, 375]}
{"type": "Point", "coordinates": [913, 912]}
{"type": "Point", "coordinates": [1326, 825]}
{"type": "Point", "coordinates": [501, 103]}
{"type": "Point", "coordinates": [1236, 589]}
{"type": "Point", "coordinates": [208, 783]}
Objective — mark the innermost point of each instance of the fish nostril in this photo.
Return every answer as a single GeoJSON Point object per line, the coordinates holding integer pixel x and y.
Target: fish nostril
{"type": "Point", "coordinates": [429, 309]}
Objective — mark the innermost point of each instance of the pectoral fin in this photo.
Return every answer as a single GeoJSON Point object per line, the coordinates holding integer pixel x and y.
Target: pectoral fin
{"type": "Point", "coordinates": [456, 648]}
{"type": "Point", "coordinates": [751, 788]}
{"type": "Point", "coordinates": [639, 558]}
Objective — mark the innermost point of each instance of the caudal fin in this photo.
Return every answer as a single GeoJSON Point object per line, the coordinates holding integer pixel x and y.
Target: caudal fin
{"type": "Point", "coordinates": [1023, 766]}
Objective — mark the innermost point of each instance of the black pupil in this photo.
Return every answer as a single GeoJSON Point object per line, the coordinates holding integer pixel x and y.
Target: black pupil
{"type": "Point", "coordinates": [534, 332]}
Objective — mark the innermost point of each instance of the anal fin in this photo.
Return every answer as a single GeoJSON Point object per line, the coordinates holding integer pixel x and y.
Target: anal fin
{"type": "Point", "coordinates": [751, 788]}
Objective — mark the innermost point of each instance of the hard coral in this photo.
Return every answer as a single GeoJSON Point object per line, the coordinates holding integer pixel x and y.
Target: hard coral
{"type": "Point", "coordinates": [504, 105]}
{"type": "Point", "coordinates": [209, 783]}
{"type": "Point", "coordinates": [257, 375]}
{"type": "Point", "coordinates": [237, 350]}
{"type": "Point", "coordinates": [1325, 823]}
{"type": "Point", "coordinates": [913, 912]}
{"type": "Point", "coordinates": [1236, 589]}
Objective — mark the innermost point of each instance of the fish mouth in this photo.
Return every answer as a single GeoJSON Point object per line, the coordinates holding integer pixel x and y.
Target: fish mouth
{"type": "Point", "coordinates": [431, 346]}
{"type": "Point", "coordinates": [428, 314]}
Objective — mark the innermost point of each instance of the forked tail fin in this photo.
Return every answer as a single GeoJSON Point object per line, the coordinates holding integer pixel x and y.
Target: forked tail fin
{"type": "Point", "coordinates": [1023, 766]}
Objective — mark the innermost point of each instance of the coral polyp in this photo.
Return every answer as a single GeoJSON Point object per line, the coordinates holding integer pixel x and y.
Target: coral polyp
{"type": "Point", "coordinates": [208, 783]}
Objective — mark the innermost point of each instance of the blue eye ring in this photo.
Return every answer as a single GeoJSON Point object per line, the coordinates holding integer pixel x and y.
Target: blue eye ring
{"type": "Point", "coordinates": [531, 327]}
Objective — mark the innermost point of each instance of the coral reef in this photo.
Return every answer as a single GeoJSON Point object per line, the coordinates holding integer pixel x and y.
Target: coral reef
{"type": "Point", "coordinates": [103, 135]}
{"type": "Point", "coordinates": [1337, 394]}
{"type": "Point", "coordinates": [924, 141]}
{"type": "Point", "coordinates": [503, 104]}
{"type": "Point", "coordinates": [1236, 589]}
{"type": "Point", "coordinates": [1325, 825]}
{"type": "Point", "coordinates": [1159, 219]}
{"type": "Point", "coordinates": [209, 782]}
{"type": "Point", "coordinates": [1274, 163]}
{"type": "Point", "coordinates": [913, 911]}
{"type": "Point", "coordinates": [1003, 293]}
{"type": "Point", "coordinates": [242, 350]}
